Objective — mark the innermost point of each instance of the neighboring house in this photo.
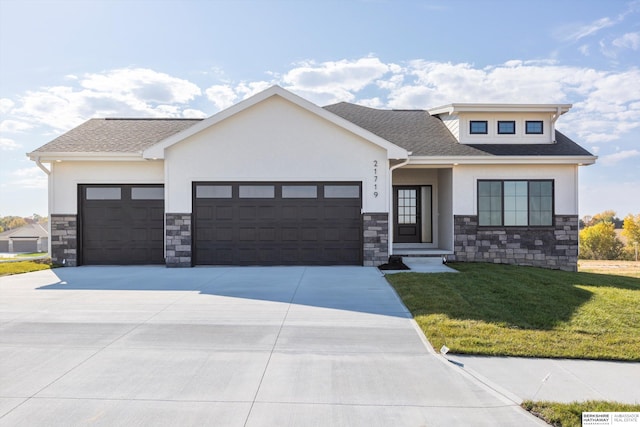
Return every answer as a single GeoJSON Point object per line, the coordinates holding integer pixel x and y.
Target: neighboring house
{"type": "Point", "coordinates": [28, 238]}
{"type": "Point", "coordinates": [277, 180]}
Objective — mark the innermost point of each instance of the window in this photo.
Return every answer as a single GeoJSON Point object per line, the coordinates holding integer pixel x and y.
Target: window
{"type": "Point", "coordinates": [506, 127]}
{"type": "Point", "coordinates": [299, 191]}
{"type": "Point", "coordinates": [533, 127]}
{"type": "Point", "coordinates": [104, 193]}
{"type": "Point", "coordinates": [341, 191]}
{"type": "Point", "coordinates": [213, 192]}
{"type": "Point", "coordinates": [478, 127]}
{"type": "Point", "coordinates": [147, 193]}
{"type": "Point", "coordinates": [257, 192]}
{"type": "Point", "coordinates": [515, 203]}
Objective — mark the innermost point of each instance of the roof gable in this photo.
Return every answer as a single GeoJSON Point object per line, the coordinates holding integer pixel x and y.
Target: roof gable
{"type": "Point", "coordinates": [393, 151]}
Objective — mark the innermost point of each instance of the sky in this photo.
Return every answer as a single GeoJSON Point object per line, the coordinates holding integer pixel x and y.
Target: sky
{"type": "Point", "coordinates": [65, 61]}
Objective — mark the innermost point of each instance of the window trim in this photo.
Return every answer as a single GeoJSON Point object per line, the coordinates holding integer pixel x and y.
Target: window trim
{"type": "Point", "coordinates": [528, 181]}
{"type": "Point", "coordinates": [486, 127]}
{"type": "Point", "coordinates": [512, 122]}
{"type": "Point", "coordinates": [526, 127]}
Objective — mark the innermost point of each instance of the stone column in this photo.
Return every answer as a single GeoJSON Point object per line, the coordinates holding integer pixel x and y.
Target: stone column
{"type": "Point", "coordinates": [64, 239]}
{"type": "Point", "coordinates": [178, 239]}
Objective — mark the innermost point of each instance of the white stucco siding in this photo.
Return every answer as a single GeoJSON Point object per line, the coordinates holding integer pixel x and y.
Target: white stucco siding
{"type": "Point", "coordinates": [66, 176]}
{"type": "Point", "coordinates": [465, 184]}
{"type": "Point", "coordinates": [275, 140]}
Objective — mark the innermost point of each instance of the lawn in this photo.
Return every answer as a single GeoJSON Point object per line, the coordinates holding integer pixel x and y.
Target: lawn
{"type": "Point", "coordinates": [492, 309]}
{"type": "Point", "coordinates": [7, 268]}
{"type": "Point", "coordinates": [570, 414]}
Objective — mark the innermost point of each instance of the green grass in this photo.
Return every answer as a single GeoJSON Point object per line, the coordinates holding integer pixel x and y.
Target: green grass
{"type": "Point", "coordinates": [504, 310]}
{"type": "Point", "coordinates": [8, 268]}
{"type": "Point", "coordinates": [570, 414]}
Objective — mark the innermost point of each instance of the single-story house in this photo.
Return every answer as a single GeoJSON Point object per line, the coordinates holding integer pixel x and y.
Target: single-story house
{"type": "Point", "coordinates": [278, 180]}
{"type": "Point", "coordinates": [28, 238]}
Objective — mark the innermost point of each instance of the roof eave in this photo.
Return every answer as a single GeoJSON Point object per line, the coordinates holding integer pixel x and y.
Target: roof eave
{"type": "Point", "coordinates": [58, 156]}
{"type": "Point", "coordinates": [499, 108]}
{"type": "Point", "coordinates": [512, 160]}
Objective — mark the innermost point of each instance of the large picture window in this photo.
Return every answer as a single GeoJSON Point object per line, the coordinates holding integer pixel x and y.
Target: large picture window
{"type": "Point", "coordinates": [515, 203]}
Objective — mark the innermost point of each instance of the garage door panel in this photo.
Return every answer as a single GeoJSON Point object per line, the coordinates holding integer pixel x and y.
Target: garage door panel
{"type": "Point", "coordinates": [120, 230]}
{"type": "Point", "coordinates": [303, 228]}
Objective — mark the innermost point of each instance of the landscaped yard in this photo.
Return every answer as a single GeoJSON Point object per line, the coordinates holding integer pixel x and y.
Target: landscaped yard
{"type": "Point", "coordinates": [507, 310]}
{"type": "Point", "coordinates": [524, 311]}
{"type": "Point", "coordinates": [17, 267]}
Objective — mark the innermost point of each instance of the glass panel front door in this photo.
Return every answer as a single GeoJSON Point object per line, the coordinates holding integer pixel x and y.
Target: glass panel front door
{"type": "Point", "coordinates": [407, 215]}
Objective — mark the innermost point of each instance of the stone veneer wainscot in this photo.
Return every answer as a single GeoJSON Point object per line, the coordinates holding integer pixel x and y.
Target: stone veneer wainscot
{"type": "Point", "coordinates": [553, 247]}
{"type": "Point", "coordinates": [376, 239]}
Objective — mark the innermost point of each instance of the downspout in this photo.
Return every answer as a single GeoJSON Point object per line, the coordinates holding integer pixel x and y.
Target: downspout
{"type": "Point", "coordinates": [391, 169]}
{"type": "Point", "coordinates": [554, 119]}
{"type": "Point", "coordinates": [49, 201]}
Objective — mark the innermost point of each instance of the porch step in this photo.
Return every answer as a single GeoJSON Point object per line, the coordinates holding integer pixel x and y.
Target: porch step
{"type": "Point", "coordinates": [417, 250]}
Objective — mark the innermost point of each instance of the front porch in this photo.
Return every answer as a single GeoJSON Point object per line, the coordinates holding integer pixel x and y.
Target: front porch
{"type": "Point", "coordinates": [422, 212]}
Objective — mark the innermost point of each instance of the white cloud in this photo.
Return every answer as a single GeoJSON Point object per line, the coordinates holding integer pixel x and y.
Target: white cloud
{"type": "Point", "coordinates": [222, 96]}
{"type": "Point", "coordinates": [31, 177]}
{"type": "Point", "coordinates": [7, 144]}
{"type": "Point", "coordinates": [628, 41]}
{"type": "Point", "coordinates": [584, 49]}
{"type": "Point", "coordinates": [142, 84]}
{"type": "Point", "coordinates": [576, 32]}
{"type": "Point", "coordinates": [14, 126]}
{"type": "Point", "coordinates": [606, 103]}
{"type": "Point", "coordinates": [123, 92]}
{"type": "Point", "coordinates": [5, 105]}
{"type": "Point", "coordinates": [613, 159]}
{"type": "Point", "coordinates": [190, 113]}
{"type": "Point", "coordinates": [334, 81]}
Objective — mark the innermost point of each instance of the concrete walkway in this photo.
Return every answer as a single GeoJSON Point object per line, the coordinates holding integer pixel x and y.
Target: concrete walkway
{"type": "Point", "coordinates": [557, 380]}
{"type": "Point", "coordinates": [297, 346]}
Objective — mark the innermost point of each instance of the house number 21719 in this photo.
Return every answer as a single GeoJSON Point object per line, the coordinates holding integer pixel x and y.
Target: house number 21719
{"type": "Point", "coordinates": [375, 178]}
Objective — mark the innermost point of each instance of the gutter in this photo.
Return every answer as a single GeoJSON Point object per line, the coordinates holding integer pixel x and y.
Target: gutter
{"type": "Point", "coordinates": [41, 166]}
{"type": "Point", "coordinates": [391, 169]}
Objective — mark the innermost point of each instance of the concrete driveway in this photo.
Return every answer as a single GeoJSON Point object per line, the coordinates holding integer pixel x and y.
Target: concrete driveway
{"type": "Point", "coordinates": [276, 346]}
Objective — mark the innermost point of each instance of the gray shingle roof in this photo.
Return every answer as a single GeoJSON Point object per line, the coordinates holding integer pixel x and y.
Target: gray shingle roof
{"type": "Point", "coordinates": [116, 135]}
{"type": "Point", "coordinates": [424, 135]}
{"type": "Point", "coordinates": [414, 130]}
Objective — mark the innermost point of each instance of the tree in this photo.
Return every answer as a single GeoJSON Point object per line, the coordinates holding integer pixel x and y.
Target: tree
{"type": "Point", "coordinates": [631, 231]}
{"type": "Point", "coordinates": [605, 216]}
{"type": "Point", "coordinates": [599, 241]}
{"type": "Point", "coordinates": [11, 222]}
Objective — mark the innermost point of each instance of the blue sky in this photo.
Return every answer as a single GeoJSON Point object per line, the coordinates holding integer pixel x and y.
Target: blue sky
{"type": "Point", "coordinates": [62, 62]}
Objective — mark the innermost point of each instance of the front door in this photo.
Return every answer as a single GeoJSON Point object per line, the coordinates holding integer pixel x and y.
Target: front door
{"type": "Point", "coordinates": [406, 202]}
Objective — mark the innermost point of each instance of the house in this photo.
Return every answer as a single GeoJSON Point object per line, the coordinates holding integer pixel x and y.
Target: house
{"type": "Point", "coordinates": [277, 180]}
{"type": "Point", "coordinates": [28, 238]}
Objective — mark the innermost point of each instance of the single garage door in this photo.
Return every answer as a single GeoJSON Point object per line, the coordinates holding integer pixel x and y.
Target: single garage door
{"type": "Point", "coordinates": [121, 224]}
{"type": "Point", "coordinates": [278, 223]}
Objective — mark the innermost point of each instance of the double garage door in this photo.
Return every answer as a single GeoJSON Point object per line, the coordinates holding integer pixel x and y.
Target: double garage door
{"type": "Point", "coordinates": [233, 224]}
{"type": "Point", "coordinates": [277, 223]}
